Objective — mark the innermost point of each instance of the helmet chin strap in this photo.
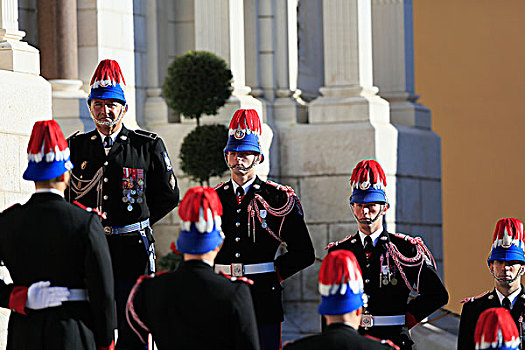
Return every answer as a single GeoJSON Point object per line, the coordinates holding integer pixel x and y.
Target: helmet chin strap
{"type": "Point", "coordinates": [111, 123]}
{"type": "Point", "coordinates": [369, 222]}
{"type": "Point", "coordinates": [507, 281]}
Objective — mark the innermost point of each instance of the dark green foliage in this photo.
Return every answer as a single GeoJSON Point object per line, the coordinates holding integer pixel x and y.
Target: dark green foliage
{"type": "Point", "coordinates": [172, 260]}
{"type": "Point", "coordinates": [202, 152]}
{"type": "Point", "coordinates": [169, 262]}
{"type": "Point", "coordinates": [197, 83]}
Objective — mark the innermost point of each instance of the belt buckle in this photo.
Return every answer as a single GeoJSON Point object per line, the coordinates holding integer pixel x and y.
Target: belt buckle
{"type": "Point", "coordinates": [367, 321]}
{"type": "Point", "coordinates": [107, 230]}
{"type": "Point", "coordinates": [237, 270]}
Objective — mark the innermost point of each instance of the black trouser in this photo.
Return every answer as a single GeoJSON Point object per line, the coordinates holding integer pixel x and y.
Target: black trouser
{"type": "Point", "coordinates": [127, 338]}
{"type": "Point", "coordinates": [270, 336]}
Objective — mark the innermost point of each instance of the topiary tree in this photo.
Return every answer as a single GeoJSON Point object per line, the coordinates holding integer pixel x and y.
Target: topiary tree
{"type": "Point", "coordinates": [197, 83]}
{"type": "Point", "coordinates": [201, 152]}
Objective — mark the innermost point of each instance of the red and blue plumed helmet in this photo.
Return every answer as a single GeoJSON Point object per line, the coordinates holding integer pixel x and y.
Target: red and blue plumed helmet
{"type": "Point", "coordinates": [340, 284]}
{"type": "Point", "coordinates": [200, 211]}
{"type": "Point", "coordinates": [47, 152]}
{"type": "Point", "coordinates": [108, 82]}
{"type": "Point", "coordinates": [496, 330]}
{"type": "Point", "coordinates": [244, 131]}
{"type": "Point", "coordinates": [368, 183]}
{"type": "Point", "coordinates": [508, 242]}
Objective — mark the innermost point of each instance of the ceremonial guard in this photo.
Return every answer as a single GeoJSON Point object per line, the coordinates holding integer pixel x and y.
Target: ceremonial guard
{"type": "Point", "coordinates": [506, 264]}
{"type": "Point", "coordinates": [126, 175]}
{"type": "Point", "coordinates": [62, 291]}
{"type": "Point", "coordinates": [496, 330]}
{"type": "Point", "coordinates": [393, 264]}
{"type": "Point", "coordinates": [342, 301]}
{"type": "Point", "coordinates": [193, 307]}
{"type": "Point", "coordinates": [266, 237]}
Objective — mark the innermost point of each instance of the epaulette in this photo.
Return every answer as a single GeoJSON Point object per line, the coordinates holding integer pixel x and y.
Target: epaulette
{"type": "Point", "coordinates": [407, 238]}
{"type": "Point", "coordinates": [219, 186]}
{"type": "Point", "coordinates": [280, 187]}
{"type": "Point", "coordinates": [383, 341]}
{"type": "Point", "coordinates": [145, 133]}
{"type": "Point", "coordinates": [335, 243]}
{"type": "Point", "coordinates": [12, 207]}
{"type": "Point", "coordinates": [234, 279]}
{"type": "Point", "coordinates": [471, 299]}
{"type": "Point", "coordinates": [75, 134]}
{"type": "Point", "coordinates": [91, 210]}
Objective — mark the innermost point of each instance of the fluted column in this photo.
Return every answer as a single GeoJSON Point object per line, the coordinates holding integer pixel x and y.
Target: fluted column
{"type": "Point", "coordinates": [15, 55]}
{"type": "Point", "coordinates": [348, 93]}
{"type": "Point", "coordinates": [393, 56]}
{"type": "Point", "coordinates": [155, 108]}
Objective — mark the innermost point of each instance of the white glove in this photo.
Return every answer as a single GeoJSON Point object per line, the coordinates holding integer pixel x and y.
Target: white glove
{"type": "Point", "coordinates": [41, 296]}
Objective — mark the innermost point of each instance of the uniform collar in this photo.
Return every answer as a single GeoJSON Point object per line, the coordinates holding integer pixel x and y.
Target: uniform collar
{"type": "Point", "coordinates": [245, 186]}
{"type": "Point", "coordinates": [50, 190]}
{"type": "Point", "coordinates": [511, 297]}
{"type": "Point", "coordinates": [374, 236]}
{"type": "Point", "coordinates": [113, 136]}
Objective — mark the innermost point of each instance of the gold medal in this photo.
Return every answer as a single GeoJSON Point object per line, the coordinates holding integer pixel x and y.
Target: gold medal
{"type": "Point", "coordinates": [393, 281]}
{"type": "Point", "coordinates": [83, 165]}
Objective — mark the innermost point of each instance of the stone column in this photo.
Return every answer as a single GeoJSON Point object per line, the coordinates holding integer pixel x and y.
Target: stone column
{"type": "Point", "coordinates": [278, 41]}
{"type": "Point", "coordinates": [418, 179]}
{"type": "Point", "coordinates": [57, 28]}
{"type": "Point", "coordinates": [348, 94]}
{"type": "Point", "coordinates": [393, 48]}
{"type": "Point", "coordinates": [155, 108]}
{"type": "Point", "coordinates": [220, 28]}
{"type": "Point", "coordinates": [15, 55]}
{"type": "Point", "coordinates": [25, 97]}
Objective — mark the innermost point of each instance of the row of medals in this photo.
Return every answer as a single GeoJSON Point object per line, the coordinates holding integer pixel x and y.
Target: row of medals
{"type": "Point", "coordinates": [385, 277]}
{"type": "Point", "coordinates": [133, 192]}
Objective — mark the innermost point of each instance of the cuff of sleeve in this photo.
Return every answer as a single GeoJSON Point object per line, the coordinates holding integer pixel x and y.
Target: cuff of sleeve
{"type": "Point", "coordinates": [110, 347]}
{"type": "Point", "coordinates": [17, 299]}
{"type": "Point", "coordinates": [410, 320]}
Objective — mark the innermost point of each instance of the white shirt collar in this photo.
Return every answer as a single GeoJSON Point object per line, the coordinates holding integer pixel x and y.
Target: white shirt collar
{"type": "Point", "coordinates": [245, 187]}
{"type": "Point", "coordinates": [511, 297]}
{"type": "Point", "coordinates": [113, 136]}
{"type": "Point", "coordinates": [374, 236]}
{"type": "Point", "coordinates": [50, 190]}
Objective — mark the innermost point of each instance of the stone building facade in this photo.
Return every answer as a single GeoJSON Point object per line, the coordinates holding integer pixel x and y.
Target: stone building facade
{"type": "Point", "coordinates": [332, 80]}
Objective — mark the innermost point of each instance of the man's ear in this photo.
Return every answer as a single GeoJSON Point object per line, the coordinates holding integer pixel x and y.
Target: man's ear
{"type": "Point", "coordinates": [126, 108]}
{"type": "Point", "coordinates": [522, 270]}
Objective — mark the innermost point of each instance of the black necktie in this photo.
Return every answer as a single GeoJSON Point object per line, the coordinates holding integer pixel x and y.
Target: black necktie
{"type": "Point", "coordinates": [369, 246]}
{"type": "Point", "coordinates": [239, 191]}
{"type": "Point", "coordinates": [506, 303]}
{"type": "Point", "coordinates": [108, 142]}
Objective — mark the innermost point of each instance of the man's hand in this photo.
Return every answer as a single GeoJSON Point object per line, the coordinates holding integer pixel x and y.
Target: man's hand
{"type": "Point", "coordinates": [40, 295]}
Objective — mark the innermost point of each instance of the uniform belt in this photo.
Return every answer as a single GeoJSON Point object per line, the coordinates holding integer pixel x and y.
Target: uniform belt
{"type": "Point", "coordinates": [78, 295]}
{"type": "Point", "coordinates": [373, 321]}
{"type": "Point", "coordinates": [238, 270]}
{"type": "Point", "coordinates": [126, 229]}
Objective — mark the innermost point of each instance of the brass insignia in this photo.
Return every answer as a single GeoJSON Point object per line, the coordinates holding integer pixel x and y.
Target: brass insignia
{"type": "Point", "coordinates": [83, 165]}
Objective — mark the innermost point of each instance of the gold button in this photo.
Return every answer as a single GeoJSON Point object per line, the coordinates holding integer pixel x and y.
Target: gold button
{"type": "Point", "coordinates": [105, 179]}
{"type": "Point", "coordinates": [237, 239]}
{"type": "Point", "coordinates": [237, 255]}
{"type": "Point", "coordinates": [237, 224]}
{"type": "Point", "coordinates": [105, 197]}
{"type": "Point", "coordinates": [106, 163]}
{"type": "Point", "coordinates": [238, 210]}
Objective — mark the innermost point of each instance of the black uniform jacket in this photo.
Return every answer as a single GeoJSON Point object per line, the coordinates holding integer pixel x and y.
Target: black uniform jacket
{"type": "Point", "coordinates": [391, 299]}
{"type": "Point", "coordinates": [473, 307]}
{"type": "Point", "coordinates": [141, 154]}
{"type": "Point", "coordinates": [48, 239]}
{"type": "Point", "coordinates": [261, 247]}
{"type": "Point", "coordinates": [194, 308]}
{"type": "Point", "coordinates": [337, 336]}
